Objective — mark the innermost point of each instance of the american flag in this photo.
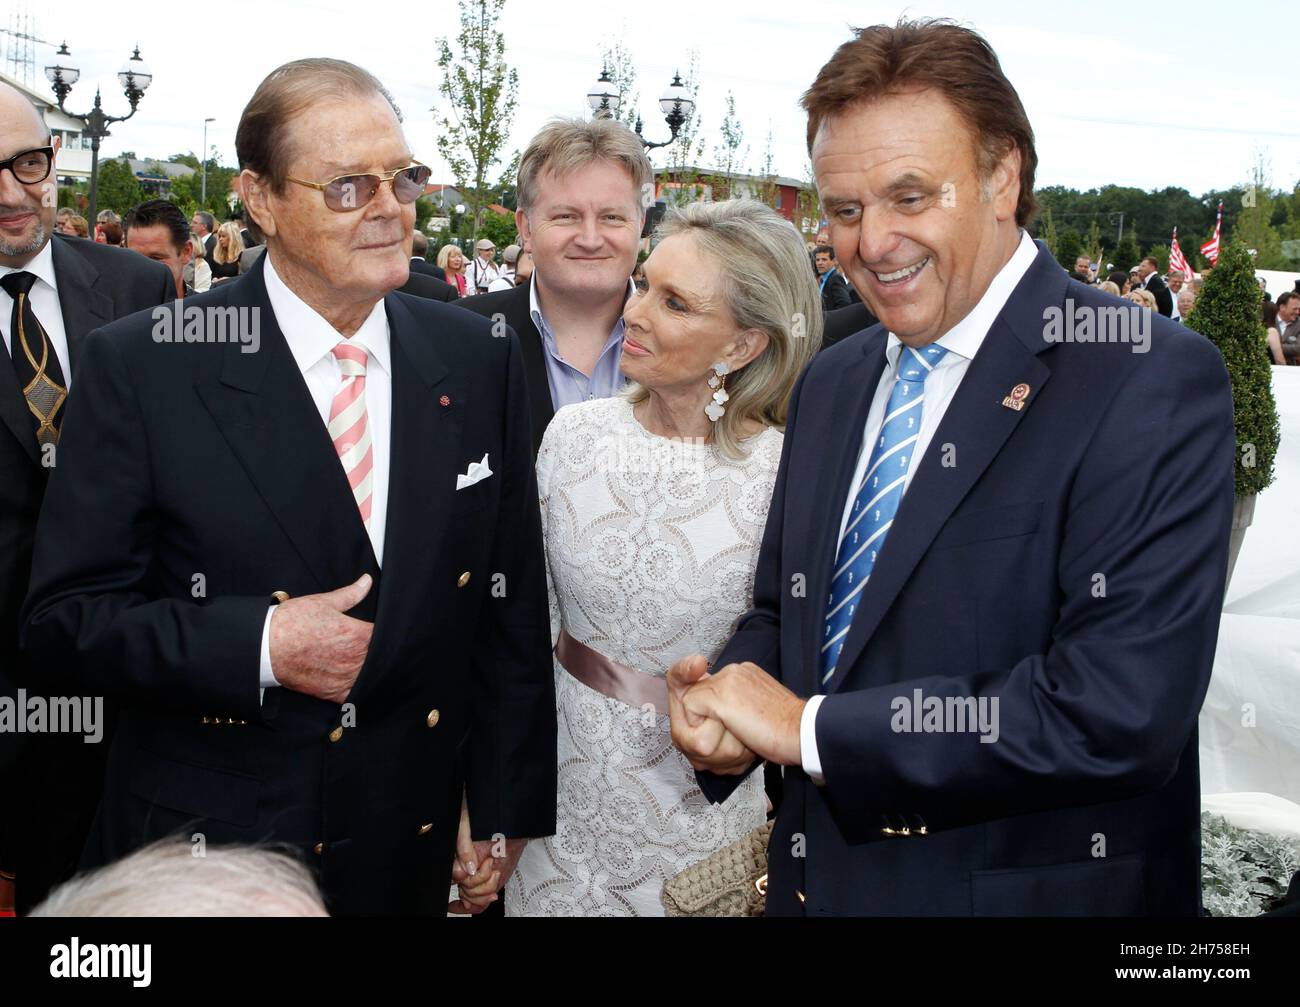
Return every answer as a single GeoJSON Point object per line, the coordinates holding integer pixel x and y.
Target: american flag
{"type": "Point", "coordinates": [1177, 260]}
{"type": "Point", "coordinates": [1211, 248]}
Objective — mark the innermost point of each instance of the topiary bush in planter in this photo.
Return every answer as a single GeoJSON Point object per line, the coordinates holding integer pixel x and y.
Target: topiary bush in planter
{"type": "Point", "coordinates": [1227, 314]}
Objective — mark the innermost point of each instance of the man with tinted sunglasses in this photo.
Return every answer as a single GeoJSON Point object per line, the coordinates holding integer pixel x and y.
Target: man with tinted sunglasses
{"type": "Point", "coordinates": [53, 291]}
{"type": "Point", "coordinates": [310, 563]}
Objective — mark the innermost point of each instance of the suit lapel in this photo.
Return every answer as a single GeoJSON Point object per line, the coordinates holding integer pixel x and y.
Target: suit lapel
{"type": "Point", "coordinates": [263, 409]}
{"type": "Point", "coordinates": [85, 308]}
{"type": "Point", "coordinates": [541, 410]}
{"type": "Point", "coordinates": [855, 386]}
{"type": "Point", "coordinates": [13, 409]}
{"type": "Point", "coordinates": [423, 462]}
{"type": "Point", "coordinates": [977, 424]}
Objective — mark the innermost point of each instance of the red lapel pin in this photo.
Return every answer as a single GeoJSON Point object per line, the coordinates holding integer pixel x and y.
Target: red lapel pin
{"type": "Point", "coordinates": [1016, 400]}
{"type": "Point", "coordinates": [445, 400]}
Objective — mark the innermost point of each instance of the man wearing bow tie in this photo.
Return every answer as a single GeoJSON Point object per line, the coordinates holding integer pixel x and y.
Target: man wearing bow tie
{"type": "Point", "coordinates": [303, 548]}
{"type": "Point", "coordinates": [987, 600]}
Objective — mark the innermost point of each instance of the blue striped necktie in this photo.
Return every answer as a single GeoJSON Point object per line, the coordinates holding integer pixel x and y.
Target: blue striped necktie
{"type": "Point", "coordinates": [877, 500]}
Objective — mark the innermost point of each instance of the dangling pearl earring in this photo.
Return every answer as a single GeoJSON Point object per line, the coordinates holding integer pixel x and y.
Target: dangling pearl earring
{"type": "Point", "coordinates": [718, 382]}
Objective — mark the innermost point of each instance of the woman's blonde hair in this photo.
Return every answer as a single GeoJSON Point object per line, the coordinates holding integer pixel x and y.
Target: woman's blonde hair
{"type": "Point", "coordinates": [444, 255]}
{"type": "Point", "coordinates": [764, 280]}
{"type": "Point", "coordinates": [1142, 297]}
{"type": "Point", "coordinates": [234, 243]}
{"type": "Point", "coordinates": [1108, 287]}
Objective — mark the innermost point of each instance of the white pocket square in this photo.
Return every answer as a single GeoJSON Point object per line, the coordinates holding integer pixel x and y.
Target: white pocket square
{"type": "Point", "coordinates": [477, 472]}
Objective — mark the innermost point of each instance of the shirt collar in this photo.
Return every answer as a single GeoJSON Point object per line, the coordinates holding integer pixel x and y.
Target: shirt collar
{"type": "Point", "coordinates": [535, 308]}
{"type": "Point", "coordinates": [41, 266]}
{"type": "Point", "coordinates": [967, 336]}
{"type": "Point", "coordinates": [310, 337]}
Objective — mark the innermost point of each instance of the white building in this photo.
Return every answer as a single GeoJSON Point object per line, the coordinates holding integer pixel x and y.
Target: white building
{"type": "Point", "coordinates": [73, 161]}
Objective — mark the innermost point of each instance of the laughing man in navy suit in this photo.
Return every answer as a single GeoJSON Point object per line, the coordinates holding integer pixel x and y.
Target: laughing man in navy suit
{"type": "Point", "coordinates": [986, 605]}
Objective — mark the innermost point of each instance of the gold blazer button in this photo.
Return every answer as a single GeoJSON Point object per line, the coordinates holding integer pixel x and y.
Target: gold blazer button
{"type": "Point", "coordinates": [463, 579]}
{"type": "Point", "coordinates": [433, 718]}
{"type": "Point", "coordinates": [336, 734]}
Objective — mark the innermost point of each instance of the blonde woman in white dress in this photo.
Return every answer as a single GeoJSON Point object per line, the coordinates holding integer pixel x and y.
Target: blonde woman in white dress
{"type": "Point", "coordinates": [653, 506]}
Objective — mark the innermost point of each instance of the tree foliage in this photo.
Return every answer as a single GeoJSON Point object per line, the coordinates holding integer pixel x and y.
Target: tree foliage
{"type": "Point", "coordinates": [1227, 313]}
{"type": "Point", "coordinates": [117, 188]}
{"type": "Point", "coordinates": [480, 92]}
{"type": "Point", "coordinates": [728, 154]}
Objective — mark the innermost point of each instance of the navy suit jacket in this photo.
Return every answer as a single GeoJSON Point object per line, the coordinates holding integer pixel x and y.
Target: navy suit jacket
{"type": "Point", "coordinates": [52, 781]}
{"type": "Point", "coordinates": [180, 459]}
{"type": "Point", "coordinates": [1067, 559]}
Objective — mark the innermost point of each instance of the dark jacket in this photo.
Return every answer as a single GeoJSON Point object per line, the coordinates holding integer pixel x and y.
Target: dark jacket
{"type": "Point", "coordinates": [162, 445]}
{"type": "Point", "coordinates": [513, 307]}
{"type": "Point", "coordinates": [1070, 565]}
{"type": "Point", "coordinates": [50, 799]}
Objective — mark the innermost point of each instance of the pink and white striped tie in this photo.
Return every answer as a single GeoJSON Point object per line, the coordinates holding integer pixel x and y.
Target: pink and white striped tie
{"type": "Point", "coordinates": [349, 426]}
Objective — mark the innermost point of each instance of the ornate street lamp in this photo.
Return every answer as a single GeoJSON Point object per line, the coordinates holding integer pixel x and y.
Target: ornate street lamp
{"type": "Point", "coordinates": [134, 77]}
{"type": "Point", "coordinates": [676, 105]}
{"type": "Point", "coordinates": [602, 96]}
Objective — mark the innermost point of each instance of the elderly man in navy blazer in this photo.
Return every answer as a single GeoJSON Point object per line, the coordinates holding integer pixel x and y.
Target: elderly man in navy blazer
{"type": "Point", "coordinates": [987, 600]}
{"type": "Point", "coordinates": [303, 549]}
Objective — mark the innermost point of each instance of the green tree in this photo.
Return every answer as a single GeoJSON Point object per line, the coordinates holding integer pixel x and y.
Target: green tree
{"type": "Point", "coordinates": [768, 188]}
{"type": "Point", "coordinates": [424, 209]}
{"type": "Point", "coordinates": [1161, 254]}
{"type": "Point", "coordinates": [117, 188]}
{"type": "Point", "coordinates": [727, 154]}
{"type": "Point", "coordinates": [480, 91]}
{"type": "Point", "coordinates": [1227, 313]}
{"type": "Point", "coordinates": [1093, 244]}
{"type": "Point", "coordinates": [1126, 254]}
{"type": "Point", "coordinates": [1069, 248]}
{"type": "Point", "coordinates": [617, 59]}
{"type": "Point", "coordinates": [499, 228]}
{"type": "Point", "coordinates": [1047, 230]}
{"type": "Point", "coordinates": [1254, 225]}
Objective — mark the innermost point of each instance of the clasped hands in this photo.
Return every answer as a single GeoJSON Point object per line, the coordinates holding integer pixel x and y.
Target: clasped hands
{"type": "Point", "coordinates": [723, 722]}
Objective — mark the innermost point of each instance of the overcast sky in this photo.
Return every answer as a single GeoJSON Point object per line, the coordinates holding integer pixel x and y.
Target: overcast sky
{"type": "Point", "coordinates": [1140, 94]}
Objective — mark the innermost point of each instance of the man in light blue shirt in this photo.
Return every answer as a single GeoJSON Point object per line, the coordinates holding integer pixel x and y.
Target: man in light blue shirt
{"type": "Point", "coordinates": [583, 189]}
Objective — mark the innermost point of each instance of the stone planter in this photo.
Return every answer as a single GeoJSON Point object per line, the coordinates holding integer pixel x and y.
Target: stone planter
{"type": "Point", "coordinates": [1243, 513]}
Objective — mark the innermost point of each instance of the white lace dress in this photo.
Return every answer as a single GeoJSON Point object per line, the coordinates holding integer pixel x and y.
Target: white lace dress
{"type": "Point", "coordinates": [651, 545]}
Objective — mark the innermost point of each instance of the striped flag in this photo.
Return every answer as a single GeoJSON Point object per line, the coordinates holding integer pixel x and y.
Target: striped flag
{"type": "Point", "coordinates": [1211, 248]}
{"type": "Point", "coordinates": [1177, 260]}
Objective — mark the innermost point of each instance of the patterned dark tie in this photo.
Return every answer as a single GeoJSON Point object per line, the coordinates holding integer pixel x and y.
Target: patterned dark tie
{"type": "Point", "coordinates": [40, 378]}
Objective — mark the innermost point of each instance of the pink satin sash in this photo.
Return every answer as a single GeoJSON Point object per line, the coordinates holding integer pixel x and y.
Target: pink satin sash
{"type": "Point", "coordinates": [617, 681]}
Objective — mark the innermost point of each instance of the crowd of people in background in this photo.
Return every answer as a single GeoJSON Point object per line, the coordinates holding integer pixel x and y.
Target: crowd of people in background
{"type": "Point", "coordinates": [204, 253]}
{"type": "Point", "coordinates": [1174, 296]}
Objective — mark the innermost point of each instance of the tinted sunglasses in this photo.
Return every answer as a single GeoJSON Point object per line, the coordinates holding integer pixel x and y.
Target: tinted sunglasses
{"type": "Point", "coordinates": [351, 192]}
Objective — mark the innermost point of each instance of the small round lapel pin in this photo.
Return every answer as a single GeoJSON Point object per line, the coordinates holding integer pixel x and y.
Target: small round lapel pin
{"type": "Point", "coordinates": [1016, 400]}
{"type": "Point", "coordinates": [444, 400]}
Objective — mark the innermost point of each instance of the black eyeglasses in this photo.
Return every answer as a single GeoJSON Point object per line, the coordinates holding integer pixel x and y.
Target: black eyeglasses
{"type": "Point", "coordinates": [31, 165]}
{"type": "Point", "coordinates": [351, 192]}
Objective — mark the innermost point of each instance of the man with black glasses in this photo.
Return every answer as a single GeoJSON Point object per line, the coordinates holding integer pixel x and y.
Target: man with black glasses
{"type": "Point", "coordinates": [53, 292]}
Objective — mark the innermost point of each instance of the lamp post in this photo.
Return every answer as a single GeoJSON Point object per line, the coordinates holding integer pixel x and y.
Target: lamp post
{"type": "Point", "coordinates": [203, 197]}
{"type": "Point", "coordinates": [675, 103]}
{"type": "Point", "coordinates": [134, 77]}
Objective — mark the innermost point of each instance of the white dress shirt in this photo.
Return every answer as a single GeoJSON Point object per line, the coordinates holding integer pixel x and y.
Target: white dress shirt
{"type": "Point", "coordinates": [45, 303]}
{"type": "Point", "coordinates": [962, 341]}
{"type": "Point", "coordinates": [312, 340]}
